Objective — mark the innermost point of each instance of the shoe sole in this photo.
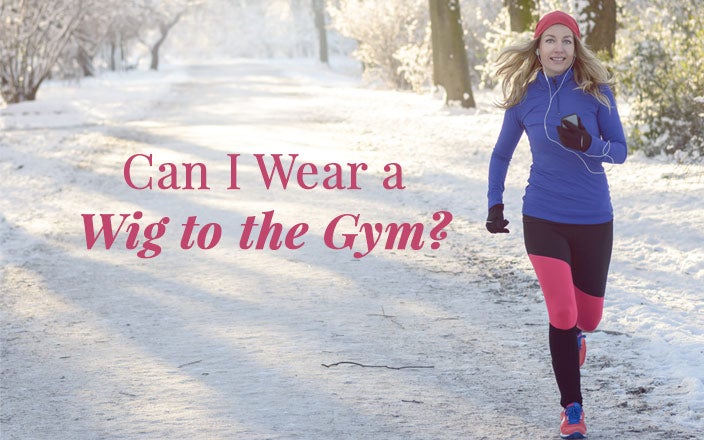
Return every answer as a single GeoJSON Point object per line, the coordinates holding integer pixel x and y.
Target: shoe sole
{"type": "Point", "coordinates": [574, 436]}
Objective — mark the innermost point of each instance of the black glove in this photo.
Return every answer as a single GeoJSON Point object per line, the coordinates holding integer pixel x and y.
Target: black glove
{"type": "Point", "coordinates": [574, 136]}
{"type": "Point", "coordinates": [495, 221]}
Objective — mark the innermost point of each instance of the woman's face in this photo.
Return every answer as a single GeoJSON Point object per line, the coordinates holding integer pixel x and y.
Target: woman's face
{"type": "Point", "coordinates": [556, 49]}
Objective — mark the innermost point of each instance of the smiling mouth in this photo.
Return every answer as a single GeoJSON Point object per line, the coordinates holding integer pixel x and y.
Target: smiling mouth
{"type": "Point", "coordinates": [558, 59]}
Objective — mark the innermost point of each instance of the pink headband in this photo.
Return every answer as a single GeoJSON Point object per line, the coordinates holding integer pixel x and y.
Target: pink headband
{"type": "Point", "coordinates": [556, 17]}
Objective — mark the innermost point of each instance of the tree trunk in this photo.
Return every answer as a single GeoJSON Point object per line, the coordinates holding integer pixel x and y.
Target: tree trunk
{"type": "Point", "coordinates": [521, 13]}
{"type": "Point", "coordinates": [164, 28]}
{"type": "Point", "coordinates": [155, 53]}
{"type": "Point", "coordinates": [84, 60]}
{"type": "Point", "coordinates": [601, 32]}
{"type": "Point", "coordinates": [450, 69]}
{"type": "Point", "coordinates": [113, 48]}
{"type": "Point", "coordinates": [319, 14]}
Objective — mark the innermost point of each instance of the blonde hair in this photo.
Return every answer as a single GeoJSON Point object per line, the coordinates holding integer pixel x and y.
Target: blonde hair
{"type": "Point", "coordinates": [518, 66]}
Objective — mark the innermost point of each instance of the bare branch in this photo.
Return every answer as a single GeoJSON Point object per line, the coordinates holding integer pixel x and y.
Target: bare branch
{"type": "Point", "coordinates": [378, 366]}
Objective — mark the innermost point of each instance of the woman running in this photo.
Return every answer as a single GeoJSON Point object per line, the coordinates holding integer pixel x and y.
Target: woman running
{"type": "Point", "coordinates": [557, 92]}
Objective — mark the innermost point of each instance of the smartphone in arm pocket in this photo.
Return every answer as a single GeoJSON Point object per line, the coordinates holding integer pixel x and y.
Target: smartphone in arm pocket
{"type": "Point", "coordinates": [573, 118]}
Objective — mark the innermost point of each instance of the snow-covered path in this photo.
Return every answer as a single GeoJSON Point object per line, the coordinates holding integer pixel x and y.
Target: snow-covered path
{"type": "Point", "coordinates": [228, 343]}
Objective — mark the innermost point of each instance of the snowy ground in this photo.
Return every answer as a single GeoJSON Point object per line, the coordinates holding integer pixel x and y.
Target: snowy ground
{"type": "Point", "coordinates": [229, 343]}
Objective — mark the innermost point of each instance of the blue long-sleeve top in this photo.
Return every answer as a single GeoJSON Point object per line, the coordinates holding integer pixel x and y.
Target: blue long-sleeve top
{"type": "Point", "coordinates": [565, 185]}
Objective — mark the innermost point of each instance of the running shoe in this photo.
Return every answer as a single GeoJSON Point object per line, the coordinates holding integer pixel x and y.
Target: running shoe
{"type": "Point", "coordinates": [572, 424]}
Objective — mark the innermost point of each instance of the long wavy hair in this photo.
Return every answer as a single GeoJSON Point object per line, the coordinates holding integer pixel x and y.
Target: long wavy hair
{"type": "Point", "coordinates": [518, 66]}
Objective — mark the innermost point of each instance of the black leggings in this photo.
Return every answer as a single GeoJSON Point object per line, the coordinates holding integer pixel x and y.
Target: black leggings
{"type": "Point", "coordinates": [571, 263]}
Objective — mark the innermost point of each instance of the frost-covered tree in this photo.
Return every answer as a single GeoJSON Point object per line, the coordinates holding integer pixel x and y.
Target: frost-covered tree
{"type": "Point", "coordinates": [33, 35]}
{"type": "Point", "coordinates": [254, 29]}
{"type": "Point", "coordinates": [498, 36]}
{"type": "Point", "coordinates": [90, 37]}
{"type": "Point", "coordinates": [393, 39]}
{"type": "Point", "coordinates": [479, 19]}
{"type": "Point", "coordinates": [450, 68]}
{"type": "Point", "coordinates": [319, 18]}
{"type": "Point", "coordinates": [161, 16]}
{"type": "Point", "coordinates": [116, 29]}
{"type": "Point", "coordinates": [125, 24]}
{"type": "Point", "coordinates": [521, 13]}
{"type": "Point", "coordinates": [84, 45]}
{"type": "Point", "coordinates": [599, 17]}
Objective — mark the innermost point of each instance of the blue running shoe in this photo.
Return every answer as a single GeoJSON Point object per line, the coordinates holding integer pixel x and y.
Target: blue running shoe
{"type": "Point", "coordinates": [572, 424]}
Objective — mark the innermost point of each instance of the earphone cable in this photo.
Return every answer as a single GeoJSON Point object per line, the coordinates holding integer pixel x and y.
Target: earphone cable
{"type": "Point", "coordinates": [607, 147]}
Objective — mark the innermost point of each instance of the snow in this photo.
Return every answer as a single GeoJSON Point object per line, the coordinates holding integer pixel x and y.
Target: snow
{"type": "Point", "coordinates": [231, 342]}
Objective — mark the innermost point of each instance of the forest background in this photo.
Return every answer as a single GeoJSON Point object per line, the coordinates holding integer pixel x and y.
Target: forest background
{"type": "Point", "coordinates": [653, 48]}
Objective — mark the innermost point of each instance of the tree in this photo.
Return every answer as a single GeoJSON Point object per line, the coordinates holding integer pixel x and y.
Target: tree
{"type": "Point", "coordinates": [521, 14]}
{"type": "Point", "coordinates": [601, 26]}
{"type": "Point", "coordinates": [390, 36]}
{"type": "Point", "coordinates": [88, 39]}
{"type": "Point", "coordinates": [124, 27]}
{"type": "Point", "coordinates": [450, 69]}
{"type": "Point", "coordinates": [164, 28]}
{"type": "Point", "coordinates": [162, 16]}
{"type": "Point", "coordinates": [33, 36]}
{"type": "Point", "coordinates": [319, 14]}
{"type": "Point", "coordinates": [164, 20]}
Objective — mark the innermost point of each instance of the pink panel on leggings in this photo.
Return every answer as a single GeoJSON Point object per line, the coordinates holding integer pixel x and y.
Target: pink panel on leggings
{"type": "Point", "coordinates": [590, 308]}
{"type": "Point", "coordinates": [555, 277]}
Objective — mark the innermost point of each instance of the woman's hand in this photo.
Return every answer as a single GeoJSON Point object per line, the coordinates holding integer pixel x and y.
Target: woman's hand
{"type": "Point", "coordinates": [574, 136]}
{"type": "Point", "coordinates": [495, 221]}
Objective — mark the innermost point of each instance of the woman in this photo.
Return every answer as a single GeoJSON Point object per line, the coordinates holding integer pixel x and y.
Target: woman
{"type": "Point", "coordinates": [557, 92]}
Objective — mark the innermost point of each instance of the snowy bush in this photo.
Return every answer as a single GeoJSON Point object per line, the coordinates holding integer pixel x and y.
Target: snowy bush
{"type": "Point", "coordinates": [392, 38]}
{"type": "Point", "coordinates": [479, 19]}
{"type": "Point", "coordinates": [659, 66]}
{"type": "Point", "coordinates": [494, 41]}
{"type": "Point", "coordinates": [415, 64]}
